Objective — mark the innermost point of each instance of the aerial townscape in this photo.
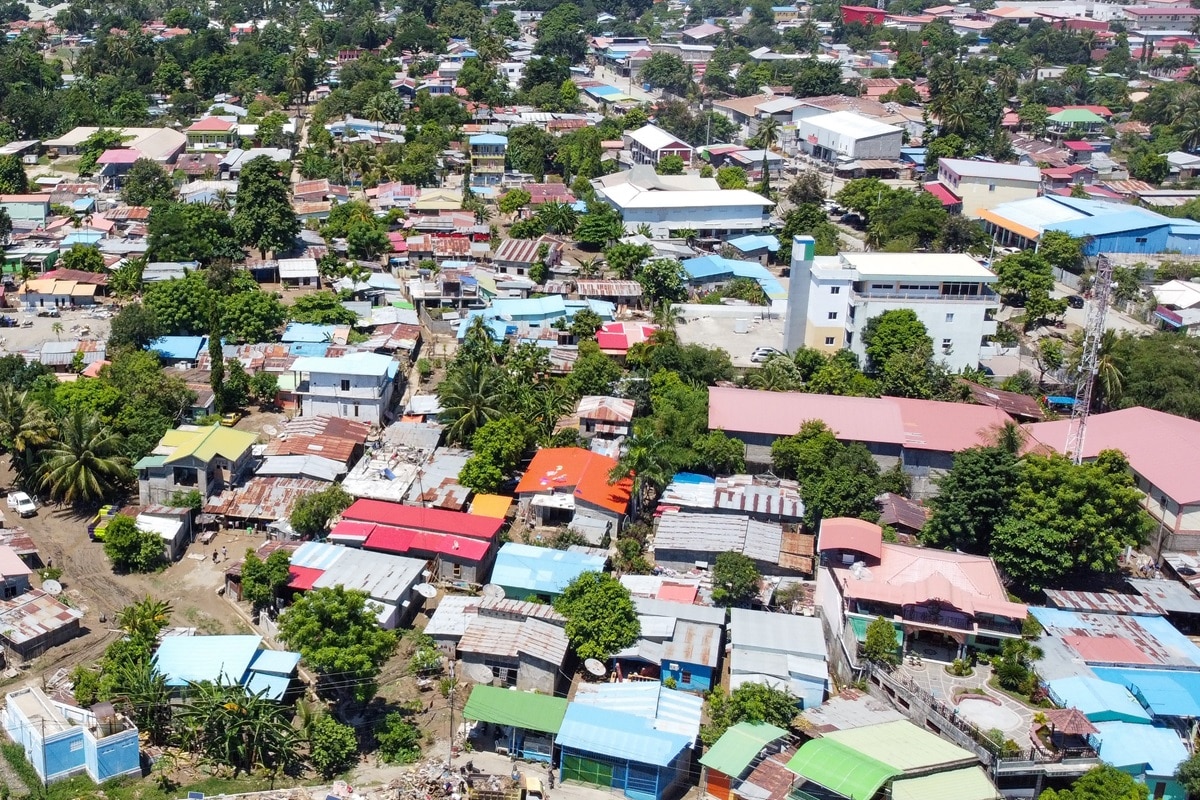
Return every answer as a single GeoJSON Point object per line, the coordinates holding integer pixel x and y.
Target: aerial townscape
{"type": "Point", "coordinates": [647, 399]}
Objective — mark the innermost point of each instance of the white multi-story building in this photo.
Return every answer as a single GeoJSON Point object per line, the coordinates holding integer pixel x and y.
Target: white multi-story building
{"type": "Point", "coordinates": [831, 298]}
{"type": "Point", "coordinates": [844, 136]}
{"type": "Point", "coordinates": [669, 204]}
{"type": "Point", "coordinates": [356, 385]}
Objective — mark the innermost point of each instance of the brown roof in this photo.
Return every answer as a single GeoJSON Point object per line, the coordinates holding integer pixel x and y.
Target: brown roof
{"type": "Point", "coordinates": [265, 499]}
{"type": "Point", "coordinates": [771, 776]}
{"type": "Point", "coordinates": [265, 549]}
{"type": "Point", "coordinates": [897, 510]}
{"type": "Point", "coordinates": [1069, 721]}
{"type": "Point", "coordinates": [1018, 405]}
{"type": "Point", "coordinates": [796, 550]}
{"type": "Point", "coordinates": [335, 438]}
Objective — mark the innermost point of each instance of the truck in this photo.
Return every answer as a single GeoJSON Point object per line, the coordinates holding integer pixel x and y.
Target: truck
{"type": "Point", "coordinates": [98, 524]}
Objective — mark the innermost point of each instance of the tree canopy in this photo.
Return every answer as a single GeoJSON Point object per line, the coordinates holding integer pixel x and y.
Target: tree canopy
{"type": "Point", "coordinates": [600, 615]}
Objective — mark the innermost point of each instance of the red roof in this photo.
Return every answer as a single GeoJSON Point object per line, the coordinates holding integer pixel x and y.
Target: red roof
{"type": "Point", "coordinates": [388, 539]}
{"type": "Point", "coordinates": [1080, 147]}
{"type": "Point", "coordinates": [424, 519]}
{"type": "Point", "coordinates": [351, 529]}
{"type": "Point", "coordinates": [303, 578]}
{"type": "Point", "coordinates": [677, 592]}
{"type": "Point", "coordinates": [942, 193]}
{"type": "Point", "coordinates": [1107, 650]}
{"type": "Point", "coordinates": [845, 533]}
{"type": "Point", "coordinates": [582, 471]}
{"type": "Point", "coordinates": [215, 124]}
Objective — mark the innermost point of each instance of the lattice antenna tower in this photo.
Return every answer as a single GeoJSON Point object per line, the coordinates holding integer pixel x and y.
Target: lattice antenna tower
{"type": "Point", "coordinates": [1089, 359]}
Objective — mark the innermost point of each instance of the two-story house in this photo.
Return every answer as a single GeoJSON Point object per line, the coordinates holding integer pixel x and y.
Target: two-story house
{"type": "Point", "coordinates": [212, 133]}
{"type": "Point", "coordinates": [206, 458]}
{"type": "Point", "coordinates": [356, 385]}
{"type": "Point", "coordinates": [985, 184]}
{"type": "Point", "coordinates": [649, 144]}
{"type": "Point", "coordinates": [487, 158]}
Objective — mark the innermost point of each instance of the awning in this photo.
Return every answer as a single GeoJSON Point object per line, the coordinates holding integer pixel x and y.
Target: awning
{"type": "Point", "coordinates": [1168, 316]}
{"type": "Point", "coordinates": [841, 769]}
{"type": "Point", "coordinates": [942, 193]}
{"type": "Point", "coordinates": [1009, 225]}
{"type": "Point", "coordinates": [534, 712]}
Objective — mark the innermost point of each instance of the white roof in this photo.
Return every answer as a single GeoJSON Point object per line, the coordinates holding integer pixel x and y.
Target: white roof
{"type": "Point", "coordinates": [778, 105]}
{"type": "Point", "coordinates": [944, 266]}
{"type": "Point", "coordinates": [653, 137]}
{"type": "Point", "coordinates": [298, 268]}
{"type": "Point", "coordinates": [630, 196]}
{"type": "Point", "coordinates": [349, 364]}
{"type": "Point", "coordinates": [1180, 294]}
{"type": "Point", "coordinates": [847, 123]}
{"type": "Point", "coordinates": [968, 168]}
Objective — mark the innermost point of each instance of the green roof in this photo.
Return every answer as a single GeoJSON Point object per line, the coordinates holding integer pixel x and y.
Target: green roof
{"type": "Point", "coordinates": [535, 712]}
{"type": "Point", "coordinates": [860, 630]}
{"type": "Point", "coordinates": [902, 745]}
{"type": "Point", "coordinates": [960, 784]}
{"type": "Point", "coordinates": [739, 745]}
{"type": "Point", "coordinates": [1080, 115]}
{"type": "Point", "coordinates": [207, 442]}
{"type": "Point", "coordinates": [841, 769]}
{"type": "Point", "coordinates": [150, 461]}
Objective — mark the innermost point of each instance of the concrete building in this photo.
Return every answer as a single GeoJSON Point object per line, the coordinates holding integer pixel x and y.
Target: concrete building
{"type": "Point", "coordinates": [487, 158]}
{"type": "Point", "coordinates": [831, 299]}
{"type": "Point", "coordinates": [669, 204]}
{"type": "Point", "coordinates": [571, 485]}
{"type": "Point", "coordinates": [162, 145]}
{"type": "Point", "coordinates": [62, 740]}
{"type": "Point", "coordinates": [785, 651]}
{"type": "Point", "coordinates": [986, 184]}
{"type": "Point", "coordinates": [1153, 18]}
{"type": "Point", "coordinates": [356, 385]}
{"type": "Point", "coordinates": [32, 209]}
{"type": "Point", "coordinates": [207, 458]}
{"type": "Point", "coordinates": [649, 144]}
{"type": "Point", "coordinates": [844, 137]}
{"type": "Point", "coordinates": [523, 652]}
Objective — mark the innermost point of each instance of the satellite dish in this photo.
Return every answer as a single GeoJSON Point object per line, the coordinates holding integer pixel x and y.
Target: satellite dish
{"type": "Point", "coordinates": [595, 667]}
{"type": "Point", "coordinates": [493, 591]}
{"type": "Point", "coordinates": [425, 590]}
{"type": "Point", "coordinates": [52, 588]}
{"type": "Point", "coordinates": [479, 673]}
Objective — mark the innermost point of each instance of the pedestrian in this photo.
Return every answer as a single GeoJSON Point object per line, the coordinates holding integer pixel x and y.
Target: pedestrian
{"type": "Point", "coordinates": [224, 553]}
{"type": "Point", "coordinates": [214, 556]}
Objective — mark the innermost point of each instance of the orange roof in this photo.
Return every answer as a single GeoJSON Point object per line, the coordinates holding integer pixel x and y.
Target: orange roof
{"type": "Point", "coordinates": [586, 473]}
{"type": "Point", "coordinates": [490, 505]}
{"type": "Point", "coordinates": [844, 533]}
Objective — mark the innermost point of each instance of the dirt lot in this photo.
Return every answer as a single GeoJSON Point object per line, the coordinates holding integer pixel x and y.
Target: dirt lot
{"type": "Point", "coordinates": [73, 321]}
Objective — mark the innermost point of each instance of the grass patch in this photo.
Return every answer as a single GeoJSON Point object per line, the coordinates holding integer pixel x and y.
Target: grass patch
{"type": "Point", "coordinates": [994, 685]}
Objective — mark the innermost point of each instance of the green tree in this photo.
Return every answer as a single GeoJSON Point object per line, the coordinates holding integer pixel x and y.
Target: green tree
{"type": "Point", "coordinates": [1013, 668]}
{"type": "Point", "coordinates": [1025, 279]}
{"type": "Point", "coordinates": [1188, 774]}
{"type": "Point", "coordinates": [312, 513]}
{"type": "Point", "coordinates": [879, 646]}
{"type": "Point", "coordinates": [83, 257]}
{"type": "Point", "coordinates": [253, 316]}
{"type": "Point", "coordinates": [893, 332]}
{"type": "Point", "coordinates": [720, 454]}
{"type": "Point", "coordinates": [808, 188]}
{"type": "Point", "coordinates": [735, 579]}
{"type": "Point", "coordinates": [191, 232]}
{"type": "Point", "coordinates": [94, 146]}
{"type": "Point", "coordinates": [514, 200]}
{"type": "Point", "coordinates": [585, 323]}
{"type": "Point", "coordinates": [732, 178]}
{"type": "Point", "coordinates": [1068, 520]}
{"type": "Point", "coordinates": [399, 739]}
{"type": "Point", "coordinates": [671, 164]}
{"type": "Point", "coordinates": [804, 454]}
{"type": "Point", "coordinates": [593, 373]}
{"type": "Point", "coordinates": [668, 71]}
{"type": "Point", "coordinates": [264, 386]}
{"type": "Point", "coordinates": [130, 548]}
{"type": "Point", "coordinates": [497, 450]}
{"type": "Point", "coordinates": [599, 227]}
{"type": "Point", "coordinates": [646, 459]}
{"type": "Point", "coordinates": [182, 306]}
{"type": "Point", "coordinates": [750, 702]}
{"type": "Point", "coordinates": [1146, 165]}
{"type": "Point", "coordinates": [12, 176]}
{"type": "Point", "coordinates": [600, 615]}
{"type": "Point", "coordinates": [663, 280]}
{"type": "Point", "coordinates": [1061, 250]}
{"type": "Point", "coordinates": [333, 747]}
{"type": "Point", "coordinates": [85, 463]}
{"type": "Point", "coordinates": [321, 308]}
{"type": "Point", "coordinates": [337, 633]}
{"type": "Point", "coordinates": [147, 183]}
{"type": "Point", "coordinates": [264, 218]}
{"type": "Point", "coordinates": [625, 259]}
{"type": "Point", "coordinates": [263, 580]}
{"type": "Point", "coordinates": [232, 726]}
{"type": "Point", "coordinates": [973, 498]}
{"type": "Point", "coordinates": [6, 226]}
{"type": "Point", "coordinates": [1103, 782]}
{"type": "Point", "coordinates": [560, 33]}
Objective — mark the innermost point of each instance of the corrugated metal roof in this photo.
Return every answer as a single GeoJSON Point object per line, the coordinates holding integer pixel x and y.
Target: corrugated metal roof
{"type": "Point", "coordinates": [525, 710]}
{"type": "Point", "coordinates": [739, 746]}
{"type": "Point", "coordinates": [266, 499]}
{"type": "Point", "coordinates": [32, 615]}
{"type": "Point", "coordinates": [540, 569]}
{"type": "Point", "coordinates": [718, 533]}
{"type": "Point", "coordinates": [780, 633]}
{"type": "Point", "coordinates": [693, 643]}
{"type": "Point", "coordinates": [383, 577]}
{"type": "Point", "coordinates": [512, 638]}
{"type": "Point", "coordinates": [671, 710]}
{"type": "Point", "coordinates": [192, 659]}
{"type": "Point", "coordinates": [618, 735]}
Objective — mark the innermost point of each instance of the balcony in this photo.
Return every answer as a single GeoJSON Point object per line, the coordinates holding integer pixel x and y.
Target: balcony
{"type": "Point", "coordinates": [989, 298]}
{"type": "Point", "coordinates": [940, 618]}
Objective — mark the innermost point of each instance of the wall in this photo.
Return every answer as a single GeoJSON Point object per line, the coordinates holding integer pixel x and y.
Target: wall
{"type": "Point", "coordinates": [976, 196]}
{"type": "Point", "coordinates": [703, 219]}
{"type": "Point", "coordinates": [701, 676]}
{"type": "Point", "coordinates": [535, 675]}
{"type": "Point", "coordinates": [965, 330]}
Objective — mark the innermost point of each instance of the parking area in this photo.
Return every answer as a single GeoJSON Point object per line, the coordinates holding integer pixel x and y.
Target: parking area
{"type": "Point", "coordinates": [31, 330]}
{"type": "Point", "coordinates": [739, 336]}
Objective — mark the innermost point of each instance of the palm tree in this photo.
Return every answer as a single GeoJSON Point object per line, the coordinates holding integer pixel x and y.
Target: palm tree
{"type": "Point", "coordinates": [294, 85]}
{"type": "Point", "coordinates": [25, 425]}
{"type": "Point", "coordinates": [589, 267]}
{"type": "Point", "coordinates": [468, 397]}
{"type": "Point", "coordinates": [778, 374]}
{"type": "Point", "coordinates": [85, 463]}
{"type": "Point", "coordinates": [145, 618]}
{"type": "Point", "coordinates": [1006, 80]}
{"type": "Point", "coordinates": [231, 726]}
{"type": "Point", "coordinates": [645, 459]}
{"type": "Point", "coordinates": [142, 690]}
{"type": "Point", "coordinates": [644, 230]}
{"type": "Point", "coordinates": [557, 217]}
{"type": "Point", "coordinates": [767, 137]}
{"type": "Point", "coordinates": [57, 330]}
{"type": "Point", "coordinates": [1109, 379]}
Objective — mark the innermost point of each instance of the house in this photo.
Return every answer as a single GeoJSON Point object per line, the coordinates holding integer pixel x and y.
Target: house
{"type": "Point", "coordinates": [730, 759]}
{"type": "Point", "coordinates": [571, 485]}
{"type": "Point", "coordinates": [1178, 306]}
{"type": "Point", "coordinates": [670, 204]}
{"type": "Point", "coordinates": [529, 720]}
{"type": "Point", "coordinates": [711, 272]}
{"type": "Point", "coordinates": [455, 613]}
{"type": "Point", "coordinates": [389, 581]}
{"type": "Point", "coordinates": [173, 525]}
{"type": "Point", "coordinates": [487, 158]}
{"type": "Point", "coordinates": [701, 33]}
{"type": "Point", "coordinates": [517, 256]}
{"type": "Point", "coordinates": [943, 602]}
{"type": "Point", "coordinates": [634, 737]}
{"type": "Point", "coordinates": [175, 350]}
{"type": "Point", "coordinates": [1157, 446]}
{"type": "Point", "coordinates": [161, 145]}
{"type": "Point", "coordinates": [114, 165]}
{"type": "Point", "coordinates": [187, 660]}
{"type": "Point", "coordinates": [754, 247]}
{"type": "Point", "coordinates": [671, 623]}
{"type": "Point", "coordinates": [604, 417]}
{"type": "Point", "coordinates": [206, 458]}
{"type": "Point", "coordinates": [690, 659]}
{"type": "Point", "coordinates": [785, 651]}
{"type": "Point", "coordinates": [299, 272]}
{"type": "Point", "coordinates": [39, 293]}
{"type": "Point", "coordinates": [356, 385]}
{"type": "Point", "coordinates": [615, 338]}
{"type": "Point", "coordinates": [649, 144]}
{"type": "Point", "coordinates": [523, 653]}
{"type": "Point", "coordinates": [1153, 18]}
{"type": "Point", "coordinates": [622, 293]}
{"type": "Point", "coordinates": [683, 540]}
{"type": "Point", "coordinates": [331, 438]}
{"type": "Point", "coordinates": [33, 622]}
{"type": "Point", "coordinates": [763, 498]}
{"type": "Point", "coordinates": [62, 740]}
{"type": "Point", "coordinates": [844, 137]}
{"type": "Point", "coordinates": [831, 298]}
{"type": "Point", "coordinates": [986, 184]}
{"type": "Point", "coordinates": [902, 514]}
{"type": "Point", "coordinates": [14, 572]}
{"type": "Point", "coordinates": [525, 571]}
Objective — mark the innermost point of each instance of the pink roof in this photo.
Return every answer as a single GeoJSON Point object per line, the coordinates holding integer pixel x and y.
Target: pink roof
{"type": "Point", "coordinates": [1160, 447]}
{"type": "Point", "coordinates": [677, 592]}
{"type": "Point", "coordinates": [845, 533]}
{"type": "Point", "coordinates": [915, 424]}
{"type": "Point", "coordinates": [303, 578]}
{"type": "Point", "coordinates": [119, 156]}
{"type": "Point", "coordinates": [211, 124]}
{"type": "Point", "coordinates": [912, 575]}
{"type": "Point", "coordinates": [389, 539]}
{"type": "Point", "coordinates": [11, 565]}
{"type": "Point", "coordinates": [1108, 649]}
{"type": "Point", "coordinates": [942, 193]}
{"type": "Point", "coordinates": [424, 519]}
{"type": "Point", "coordinates": [620, 336]}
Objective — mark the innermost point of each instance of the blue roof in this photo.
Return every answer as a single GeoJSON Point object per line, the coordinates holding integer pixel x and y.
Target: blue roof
{"type": "Point", "coordinates": [672, 710]}
{"type": "Point", "coordinates": [192, 659]}
{"type": "Point", "coordinates": [535, 307]}
{"type": "Point", "coordinates": [1167, 693]}
{"type": "Point", "coordinates": [306, 332]}
{"type": "Point", "coordinates": [315, 349]}
{"type": "Point", "coordinates": [618, 735]}
{"type": "Point", "coordinates": [579, 206]}
{"type": "Point", "coordinates": [603, 90]}
{"type": "Point", "coordinates": [755, 241]}
{"type": "Point", "coordinates": [488, 138]}
{"type": "Point", "coordinates": [1106, 224]}
{"type": "Point", "coordinates": [1142, 748]}
{"type": "Point", "coordinates": [272, 687]}
{"type": "Point", "coordinates": [540, 569]}
{"type": "Point", "coordinates": [82, 204]}
{"type": "Point", "coordinates": [317, 555]}
{"type": "Point", "coordinates": [275, 662]}
{"type": "Point", "coordinates": [82, 237]}
{"type": "Point", "coordinates": [1098, 700]}
{"type": "Point", "coordinates": [718, 267]}
{"type": "Point", "coordinates": [692, 478]}
{"type": "Point", "coordinates": [182, 348]}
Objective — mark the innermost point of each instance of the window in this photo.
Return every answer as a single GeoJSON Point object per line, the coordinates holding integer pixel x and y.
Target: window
{"type": "Point", "coordinates": [829, 341]}
{"type": "Point", "coordinates": [456, 570]}
{"type": "Point", "coordinates": [835, 290]}
{"type": "Point", "coordinates": [991, 187]}
{"type": "Point", "coordinates": [1140, 240]}
{"type": "Point", "coordinates": [947, 344]}
{"type": "Point", "coordinates": [833, 314]}
{"type": "Point", "coordinates": [685, 678]}
{"type": "Point", "coordinates": [1160, 790]}
{"type": "Point", "coordinates": [949, 318]}
{"type": "Point", "coordinates": [356, 409]}
{"type": "Point", "coordinates": [345, 384]}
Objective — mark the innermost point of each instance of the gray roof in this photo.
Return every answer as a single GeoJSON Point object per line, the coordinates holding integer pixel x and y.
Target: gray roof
{"type": "Point", "coordinates": [450, 618]}
{"type": "Point", "coordinates": [968, 168]}
{"type": "Point", "coordinates": [694, 643]}
{"type": "Point", "coordinates": [778, 633]}
{"type": "Point", "coordinates": [681, 611]}
{"type": "Point", "coordinates": [1171, 596]}
{"type": "Point", "coordinates": [512, 638]}
{"type": "Point", "coordinates": [385, 578]}
{"type": "Point", "coordinates": [719, 533]}
{"type": "Point", "coordinates": [315, 467]}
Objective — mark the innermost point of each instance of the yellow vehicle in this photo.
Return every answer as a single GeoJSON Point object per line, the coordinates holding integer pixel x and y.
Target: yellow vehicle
{"type": "Point", "coordinates": [100, 522]}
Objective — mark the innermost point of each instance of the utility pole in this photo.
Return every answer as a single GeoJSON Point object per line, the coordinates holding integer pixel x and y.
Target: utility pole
{"type": "Point", "coordinates": [1089, 359]}
{"type": "Point", "coordinates": [450, 696]}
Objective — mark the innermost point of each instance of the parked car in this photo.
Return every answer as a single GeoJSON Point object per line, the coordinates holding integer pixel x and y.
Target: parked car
{"type": "Point", "coordinates": [22, 503]}
{"type": "Point", "coordinates": [762, 354]}
{"type": "Point", "coordinates": [232, 418]}
{"type": "Point", "coordinates": [48, 312]}
{"type": "Point", "coordinates": [1075, 301]}
{"type": "Point", "coordinates": [8, 322]}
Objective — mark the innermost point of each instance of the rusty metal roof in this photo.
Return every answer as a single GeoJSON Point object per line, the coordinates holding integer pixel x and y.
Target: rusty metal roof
{"type": "Point", "coordinates": [32, 615]}
{"type": "Point", "coordinates": [897, 510]}
{"type": "Point", "coordinates": [1103, 602]}
{"type": "Point", "coordinates": [266, 499]}
{"type": "Point", "coordinates": [335, 438]}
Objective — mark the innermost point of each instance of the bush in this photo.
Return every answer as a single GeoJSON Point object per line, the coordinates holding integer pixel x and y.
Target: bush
{"type": "Point", "coordinates": [424, 368]}
{"type": "Point", "coordinates": [399, 740]}
{"type": "Point", "coordinates": [333, 746]}
{"type": "Point", "coordinates": [131, 548]}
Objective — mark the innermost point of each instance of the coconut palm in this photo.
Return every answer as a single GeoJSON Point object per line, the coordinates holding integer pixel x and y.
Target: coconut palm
{"type": "Point", "coordinates": [766, 138]}
{"type": "Point", "coordinates": [25, 425]}
{"type": "Point", "coordinates": [469, 399]}
{"type": "Point", "coordinates": [294, 85]}
{"type": "Point", "coordinates": [644, 229]}
{"type": "Point", "coordinates": [1006, 79]}
{"type": "Point", "coordinates": [557, 217]}
{"type": "Point", "coordinates": [778, 373]}
{"type": "Point", "coordinates": [1109, 380]}
{"type": "Point", "coordinates": [141, 692]}
{"type": "Point", "coordinates": [145, 618]}
{"type": "Point", "coordinates": [644, 458]}
{"type": "Point", "coordinates": [84, 464]}
{"type": "Point", "coordinates": [589, 267]}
